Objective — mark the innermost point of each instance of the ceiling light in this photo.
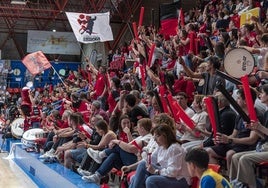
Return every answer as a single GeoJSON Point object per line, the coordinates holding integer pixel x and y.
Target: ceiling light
{"type": "Point", "coordinates": [18, 2]}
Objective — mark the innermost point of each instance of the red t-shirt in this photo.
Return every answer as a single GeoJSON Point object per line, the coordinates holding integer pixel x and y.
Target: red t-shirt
{"type": "Point", "coordinates": [123, 136]}
{"type": "Point", "coordinates": [83, 110]}
{"type": "Point", "coordinates": [99, 85]}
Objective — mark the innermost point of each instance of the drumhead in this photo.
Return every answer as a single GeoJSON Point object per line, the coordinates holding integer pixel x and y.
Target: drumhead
{"type": "Point", "coordinates": [238, 62]}
{"type": "Point", "coordinates": [17, 127]}
{"type": "Point", "coordinates": [33, 134]}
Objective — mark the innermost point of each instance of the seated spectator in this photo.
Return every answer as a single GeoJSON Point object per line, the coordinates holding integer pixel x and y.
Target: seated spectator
{"type": "Point", "coordinates": [242, 138]}
{"type": "Point", "coordinates": [226, 116]}
{"type": "Point", "coordinates": [159, 119]}
{"type": "Point", "coordinates": [106, 137]}
{"type": "Point", "coordinates": [242, 170]}
{"type": "Point", "coordinates": [76, 155]}
{"type": "Point", "coordinates": [52, 128]}
{"type": "Point", "coordinates": [197, 164]}
{"type": "Point", "coordinates": [137, 94]}
{"type": "Point", "coordinates": [133, 110]}
{"type": "Point", "coordinates": [96, 110]}
{"type": "Point", "coordinates": [64, 139]}
{"type": "Point", "coordinates": [182, 99]}
{"type": "Point", "coordinates": [120, 153]}
{"type": "Point", "coordinates": [166, 166]}
{"type": "Point", "coordinates": [124, 129]}
{"type": "Point", "coordinates": [201, 120]}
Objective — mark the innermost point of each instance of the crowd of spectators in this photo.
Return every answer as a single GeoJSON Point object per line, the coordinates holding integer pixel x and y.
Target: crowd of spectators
{"type": "Point", "coordinates": [104, 117]}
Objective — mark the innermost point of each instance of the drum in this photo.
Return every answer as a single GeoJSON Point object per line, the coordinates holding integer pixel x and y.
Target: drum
{"type": "Point", "coordinates": [29, 137]}
{"type": "Point", "coordinates": [238, 62]}
{"type": "Point", "coordinates": [17, 128]}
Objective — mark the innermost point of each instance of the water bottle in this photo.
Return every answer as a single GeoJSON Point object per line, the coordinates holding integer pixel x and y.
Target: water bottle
{"type": "Point", "coordinates": [259, 147]}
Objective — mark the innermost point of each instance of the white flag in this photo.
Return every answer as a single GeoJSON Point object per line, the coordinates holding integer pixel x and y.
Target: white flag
{"type": "Point", "coordinates": [89, 28]}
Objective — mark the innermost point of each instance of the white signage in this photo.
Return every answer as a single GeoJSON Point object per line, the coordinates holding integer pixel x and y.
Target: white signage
{"type": "Point", "coordinates": [52, 42]}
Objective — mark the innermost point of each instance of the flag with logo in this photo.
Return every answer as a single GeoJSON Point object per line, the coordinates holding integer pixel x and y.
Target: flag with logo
{"type": "Point", "coordinates": [90, 28]}
{"type": "Point", "coordinates": [36, 62]}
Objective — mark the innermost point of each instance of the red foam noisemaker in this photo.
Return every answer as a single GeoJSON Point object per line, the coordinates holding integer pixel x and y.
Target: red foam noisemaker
{"type": "Point", "coordinates": [192, 42]}
{"type": "Point", "coordinates": [141, 16]}
{"type": "Point", "coordinates": [136, 145]}
{"type": "Point", "coordinates": [81, 129]}
{"type": "Point", "coordinates": [174, 110]}
{"type": "Point", "coordinates": [209, 104]}
{"type": "Point", "coordinates": [249, 101]}
{"type": "Point", "coordinates": [182, 115]}
{"type": "Point", "coordinates": [151, 55]}
{"type": "Point", "coordinates": [163, 100]}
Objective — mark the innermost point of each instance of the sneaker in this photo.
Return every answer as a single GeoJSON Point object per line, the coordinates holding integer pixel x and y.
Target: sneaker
{"type": "Point", "coordinates": [92, 179]}
{"type": "Point", "coordinates": [51, 151]}
{"type": "Point", "coordinates": [44, 156]}
{"type": "Point", "coordinates": [83, 172]}
{"type": "Point", "coordinates": [237, 184]}
{"type": "Point", "coordinates": [94, 154]}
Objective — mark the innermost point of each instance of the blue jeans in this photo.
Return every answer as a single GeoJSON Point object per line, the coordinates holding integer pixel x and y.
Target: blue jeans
{"type": "Point", "coordinates": [78, 154]}
{"type": "Point", "coordinates": [144, 179]}
{"type": "Point", "coordinates": [116, 158]}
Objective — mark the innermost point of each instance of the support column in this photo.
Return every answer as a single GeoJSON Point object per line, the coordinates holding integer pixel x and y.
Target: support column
{"type": "Point", "coordinates": [101, 53]}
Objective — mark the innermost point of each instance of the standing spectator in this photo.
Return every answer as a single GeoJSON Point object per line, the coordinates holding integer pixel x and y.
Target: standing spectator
{"type": "Point", "coordinates": [100, 90]}
{"type": "Point", "coordinates": [114, 94]}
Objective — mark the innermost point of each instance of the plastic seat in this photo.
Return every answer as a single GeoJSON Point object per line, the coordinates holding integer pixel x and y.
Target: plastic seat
{"type": "Point", "coordinates": [214, 167]}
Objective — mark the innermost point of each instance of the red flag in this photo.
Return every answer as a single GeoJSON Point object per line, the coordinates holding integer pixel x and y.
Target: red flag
{"type": "Point", "coordinates": [169, 18]}
{"type": "Point", "coordinates": [36, 62]}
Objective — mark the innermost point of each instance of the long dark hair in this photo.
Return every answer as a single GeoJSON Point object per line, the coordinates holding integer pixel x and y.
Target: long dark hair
{"type": "Point", "coordinates": [122, 117]}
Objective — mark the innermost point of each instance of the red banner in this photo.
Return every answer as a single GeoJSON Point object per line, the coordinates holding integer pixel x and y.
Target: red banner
{"type": "Point", "coordinates": [36, 62]}
{"type": "Point", "coordinates": [117, 64]}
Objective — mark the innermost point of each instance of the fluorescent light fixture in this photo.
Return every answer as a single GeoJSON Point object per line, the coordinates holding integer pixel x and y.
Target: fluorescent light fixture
{"type": "Point", "coordinates": [18, 2]}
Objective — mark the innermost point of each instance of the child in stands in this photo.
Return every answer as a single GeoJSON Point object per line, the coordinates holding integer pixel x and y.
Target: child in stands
{"type": "Point", "coordinates": [197, 164]}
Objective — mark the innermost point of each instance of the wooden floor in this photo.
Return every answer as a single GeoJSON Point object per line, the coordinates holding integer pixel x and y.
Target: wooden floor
{"type": "Point", "coordinates": [11, 176]}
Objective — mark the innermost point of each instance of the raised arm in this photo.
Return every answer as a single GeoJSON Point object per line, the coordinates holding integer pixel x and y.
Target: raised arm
{"type": "Point", "coordinates": [188, 71]}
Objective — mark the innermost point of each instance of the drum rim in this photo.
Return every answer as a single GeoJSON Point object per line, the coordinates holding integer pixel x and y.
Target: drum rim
{"type": "Point", "coordinates": [12, 129]}
{"type": "Point", "coordinates": [243, 49]}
